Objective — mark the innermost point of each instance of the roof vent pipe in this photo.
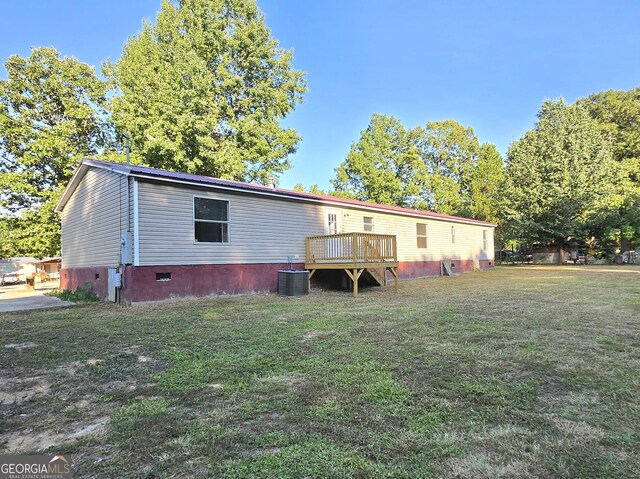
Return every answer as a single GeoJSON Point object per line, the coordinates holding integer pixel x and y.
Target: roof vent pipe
{"type": "Point", "coordinates": [127, 146]}
{"type": "Point", "coordinates": [271, 182]}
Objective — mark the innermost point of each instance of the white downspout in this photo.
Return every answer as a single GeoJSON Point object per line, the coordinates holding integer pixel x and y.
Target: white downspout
{"type": "Point", "coordinates": [136, 224]}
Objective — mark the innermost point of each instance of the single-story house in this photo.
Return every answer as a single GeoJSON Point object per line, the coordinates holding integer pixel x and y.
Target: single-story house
{"type": "Point", "coordinates": [49, 266]}
{"type": "Point", "coordinates": [137, 234]}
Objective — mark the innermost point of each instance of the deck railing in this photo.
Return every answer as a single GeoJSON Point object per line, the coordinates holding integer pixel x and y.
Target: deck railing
{"type": "Point", "coordinates": [352, 248]}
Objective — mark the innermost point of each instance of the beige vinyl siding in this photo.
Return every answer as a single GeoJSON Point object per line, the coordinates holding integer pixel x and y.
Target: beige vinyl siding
{"type": "Point", "coordinates": [92, 220]}
{"type": "Point", "coordinates": [261, 229]}
{"type": "Point", "coordinates": [468, 244]}
{"type": "Point", "coordinates": [267, 230]}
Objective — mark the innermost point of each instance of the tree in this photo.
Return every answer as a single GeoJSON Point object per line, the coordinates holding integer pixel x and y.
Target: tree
{"type": "Point", "coordinates": [313, 189]}
{"type": "Point", "coordinates": [486, 185]}
{"type": "Point", "coordinates": [383, 166]}
{"type": "Point", "coordinates": [562, 179]}
{"type": "Point", "coordinates": [7, 247]}
{"type": "Point", "coordinates": [202, 91]}
{"type": "Point", "coordinates": [51, 116]}
{"type": "Point", "coordinates": [449, 151]}
{"type": "Point", "coordinates": [618, 116]}
{"type": "Point", "coordinates": [440, 167]}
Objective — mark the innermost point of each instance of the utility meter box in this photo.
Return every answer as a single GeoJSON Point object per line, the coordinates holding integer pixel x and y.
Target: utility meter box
{"type": "Point", "coordinates": [126, 247]}
{"type": "Point", "coordinates": [114, 282]}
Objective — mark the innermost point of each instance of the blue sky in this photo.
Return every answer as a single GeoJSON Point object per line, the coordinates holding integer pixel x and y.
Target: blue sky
{"type": "Point", "coordinates": [486, 64]}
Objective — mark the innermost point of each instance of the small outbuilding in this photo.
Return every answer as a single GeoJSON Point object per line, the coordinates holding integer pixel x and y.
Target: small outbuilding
{"type": "Point", "coordinates": [49, 267]}
{"type": "Point", "coordinates": [136, 234]}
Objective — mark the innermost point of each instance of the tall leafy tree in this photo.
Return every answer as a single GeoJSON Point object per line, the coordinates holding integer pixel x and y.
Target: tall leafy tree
{"type": "Point", "coordinates": [562, 179]}
{"type": "Point", "coordinates": [51, 116]}
{"type": "Point", "coordinates": [383, 166]}
{"type": "Point", "coordinates": [486, 185]}
{"type": "Point", "coordinates": [202, 90]}
{"type": "Point", "coordinates": [440, 167]}
{"type": "Point", "coordinates": [448, 151]}
{"type": "Point", "coordinates": [618, 116]}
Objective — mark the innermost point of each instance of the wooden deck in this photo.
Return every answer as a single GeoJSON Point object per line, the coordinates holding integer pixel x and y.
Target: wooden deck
{"type": "Point", "coordinates": [354, 253]}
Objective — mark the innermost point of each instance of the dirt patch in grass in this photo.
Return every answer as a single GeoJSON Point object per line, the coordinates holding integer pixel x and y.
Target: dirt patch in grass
{"type": "Point", "coordinates": [30, 440]}
{"type": "Point", "coordinates": [15, 391]}
{"type": "Point", "coordinates": [580, 431]}
{"type": "Point", "coordinates": [314, 335]}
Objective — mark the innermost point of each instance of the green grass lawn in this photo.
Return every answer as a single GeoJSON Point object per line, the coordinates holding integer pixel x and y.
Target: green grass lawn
{"type": "Point", "coordinates": [517, 372]}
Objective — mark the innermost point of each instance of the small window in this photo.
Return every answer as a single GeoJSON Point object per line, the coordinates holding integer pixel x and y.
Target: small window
{"type": "Point", "coordinates": [332, 223]}
{"type": "Point", "coordinates": [485, 237]}
{"type": "Point", "coordinates": [163, 276]}
{"type": "Point", "coordinates": [211, 219]}
{"type": "Point", "coordinates": [368, 224]}
{"type": "Point", "coordinates": [421, 235]}
{"type": "Point", "coordinates": [453, 235]}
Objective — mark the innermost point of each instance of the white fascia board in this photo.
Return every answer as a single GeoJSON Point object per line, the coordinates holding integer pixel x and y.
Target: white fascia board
{"type": "Point", "coordinates": [77, 178]}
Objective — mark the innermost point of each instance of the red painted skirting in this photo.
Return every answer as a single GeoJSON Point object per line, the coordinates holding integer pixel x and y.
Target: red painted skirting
{"type": "Point", "coordinates": [96, 277]}
{"type": "Point", "coordinates": [149, 283]}
{"type": "Point", "coordinates": [418, 269]}
{"type": "Point", "coordinates": [140, 282]}
{"type": "Point", "coordinates": [423, 269]}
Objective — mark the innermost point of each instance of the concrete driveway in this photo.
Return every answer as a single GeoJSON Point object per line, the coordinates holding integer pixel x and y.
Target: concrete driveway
{"type": "Point", "coordinates": [17, 298]}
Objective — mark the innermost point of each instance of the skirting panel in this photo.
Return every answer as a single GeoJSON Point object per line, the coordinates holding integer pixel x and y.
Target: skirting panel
{"type": "Point", "coordinates": [153, 283]}
{"type": "Point", "coordinates": [95, 277]}
{"type": "Point", "coordinates": [423, 269]}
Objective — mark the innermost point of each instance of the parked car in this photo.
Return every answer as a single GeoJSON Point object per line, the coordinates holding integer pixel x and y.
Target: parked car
{"type": "Point", "coordinates": [9, 278]}
{"type": "Point", "coordinates": [504, 255]}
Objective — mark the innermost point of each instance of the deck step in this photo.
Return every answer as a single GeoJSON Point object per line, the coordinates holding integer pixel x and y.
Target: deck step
{"type": "Point", "coordinates": [375, 276]}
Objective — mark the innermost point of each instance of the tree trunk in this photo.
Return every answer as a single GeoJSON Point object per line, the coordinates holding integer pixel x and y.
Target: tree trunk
{"type": "Point", "coordinates": [625, 245]}
{"type": "Point", "coordinates": [561, 253]}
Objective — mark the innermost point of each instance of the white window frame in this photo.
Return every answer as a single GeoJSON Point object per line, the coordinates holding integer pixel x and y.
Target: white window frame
{"type": "Point", "coordinates": [453, 235]}
{"type": "Point", "coordinates": [485, 239]}
{"type": "Point", "coordinates": [194, 219]}
{"type": "Point", "coordinates": [425, 235]}
{"type": "Point", "coordinates": [337, 223]}
{"type": "Point", "coordinates": [370, 224]}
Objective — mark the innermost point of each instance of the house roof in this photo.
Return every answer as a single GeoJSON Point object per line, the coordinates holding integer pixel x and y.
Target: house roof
{"type": "Point", "coordinates": [143, 172]}
{"type": "Point", "coordinates": [53, 259]}
{"type": "Point", "coordinates": [20, 260]}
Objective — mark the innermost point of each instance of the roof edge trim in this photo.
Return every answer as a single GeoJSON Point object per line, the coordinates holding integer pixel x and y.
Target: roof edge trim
{"type": "Point", "coordinates": [77, 177]}
{"type": "Point", "coordinates": [283, 195]}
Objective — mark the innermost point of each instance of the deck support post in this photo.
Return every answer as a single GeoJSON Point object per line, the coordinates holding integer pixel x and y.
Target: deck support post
{"type": "Point", "coordinates": [394, 272]}
{"type": "Point", "coordinates": [311, 272]}
{"type": "Point", "coordinates": [354, 274]}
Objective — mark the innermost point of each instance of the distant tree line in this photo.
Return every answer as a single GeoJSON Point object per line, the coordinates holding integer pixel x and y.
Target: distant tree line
{"type": "Point", "coordinates": [203, 88]}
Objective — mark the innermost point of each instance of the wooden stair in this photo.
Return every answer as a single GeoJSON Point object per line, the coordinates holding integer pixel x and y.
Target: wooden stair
{"type": "Point", "coordinates": [376, 276]}
{"type": "Point", "coordinates": [357, 254]}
